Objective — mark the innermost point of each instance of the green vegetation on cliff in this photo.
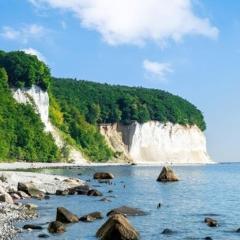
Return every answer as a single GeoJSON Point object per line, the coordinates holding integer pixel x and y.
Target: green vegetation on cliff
{"type": "Point", "coordinates": [76, 108]}
{"type": "Point", "coordinates": [22, 135]}
{"type": "Point", "coordinates": [24, 70]}
{"type": "Point", "coordinates": [103, 103]}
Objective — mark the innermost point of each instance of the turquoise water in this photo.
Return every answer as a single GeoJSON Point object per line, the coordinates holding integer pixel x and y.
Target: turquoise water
{"type": "Point", "coordinates": [211, 190]}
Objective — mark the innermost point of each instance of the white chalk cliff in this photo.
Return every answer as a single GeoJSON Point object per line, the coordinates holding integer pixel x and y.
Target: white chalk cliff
{"type": "Point", "coordinates": [39, 99]}
{"type": "Point", "coordinates": [151, 142]}
{"type": "Point", "coordinates": [154, 142]}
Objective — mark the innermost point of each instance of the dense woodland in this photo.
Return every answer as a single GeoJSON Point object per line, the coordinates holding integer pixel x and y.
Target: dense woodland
{"type": "Point", "coordinates": [76, 108]}
{"type": "Point", "coordinates": [103, 103]}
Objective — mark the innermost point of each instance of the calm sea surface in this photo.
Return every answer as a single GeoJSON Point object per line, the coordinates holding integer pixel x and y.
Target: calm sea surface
{"type": "Point", "coordinates": [212, 190]}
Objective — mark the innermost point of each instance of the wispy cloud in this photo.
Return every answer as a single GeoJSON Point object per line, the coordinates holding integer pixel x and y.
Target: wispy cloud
{"type": "Point", "coordinates": [35, 52]}
{"type": "Point", "coordinates": [156, 70]}
{"type": "Point", "coordinates": [135, 22]}
{"type": "Point", "coordinates": [24, 33]}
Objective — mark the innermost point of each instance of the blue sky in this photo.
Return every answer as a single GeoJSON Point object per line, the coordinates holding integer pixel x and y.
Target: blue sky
{"type": "Point", "coordinates": [189, 48]}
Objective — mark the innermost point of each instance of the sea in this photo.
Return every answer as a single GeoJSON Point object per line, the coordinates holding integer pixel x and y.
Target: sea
{"type": "Point", "coordinates": [203, 191]}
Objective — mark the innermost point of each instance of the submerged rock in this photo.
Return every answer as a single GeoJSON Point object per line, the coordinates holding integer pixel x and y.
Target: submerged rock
{"type": "Point", "coordinates": [56, 227]}
{"type": "Point", "coordinates": [32, 226]}
{"type": "Point", "coordinates": [167, 231]}
{"type": "Point", "coordinates": [43, 235]}
{"type": "Point", "coordinates": [65, 216]}
{"type": "Point", "coordinates": [167, 175]}
{"type": "Point", "coordinates": [94, 192]}
{"type": "Point", "coordinates": [31, 190]}
{"type": "Point", "coordinates": [103, 175]}
{"type": "Point", "coordinates": [126, 211]}
{"type": "Point", "coordinates": [117, 227]}
{"type": "Point", "coordinates": [211, 222]}
{"type": "Point", "coordinates": [91, 217]}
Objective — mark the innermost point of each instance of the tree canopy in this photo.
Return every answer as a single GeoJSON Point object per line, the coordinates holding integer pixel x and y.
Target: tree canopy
{"type": "Point", "coordinates": [24, 70]}
{"type": "Point", "coordinates": [104, 103]}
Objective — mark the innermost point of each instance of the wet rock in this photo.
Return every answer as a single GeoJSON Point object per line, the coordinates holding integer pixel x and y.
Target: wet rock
{"type": "Point", "coordinates": [62, 192]}
{"type": "Point", "coordinates": [6, 198]}
{"type": "Point", "coordinates": [31, 206]}
{"type": "Point", "coordinates": [211, 222]}
{"type": "Point", "coordinates": [167, 175]}
{"type": "Point", "coordinates": [94, 192]}
{"type": "Point", "coordinates": [32, 226]}
{"type": "Point", "coordinates": [126, 211]}
{"type": "Point", "coordinates": [23, 195]}
{"type": "Point", "coordinates": [56, 227]}
{"type": "Point", "coordinates": [117, 227]}
{"type": "Point", "coordinates": [80, 190]}
{"type": "Point", "coordinates": [43, 235]}
{"type": "Point", "coordinates": [15, 196]}
{"type": "Point", "coordinates": [47, 197]}
{"type": "Point", "coordinates": [31, 190]}
{"type": "Point", "coordinates": [167, 231]}
{"type": "Point", "coordinates": [65, 216]}
{"type": "Point", "coordinates": [91, 217]}
{"type": "Point", "coordinates": [103, 175]}
{"type": "Point", "coordinates": [238, 230]}
{"type": "Point", "coordinates": [208, 238]}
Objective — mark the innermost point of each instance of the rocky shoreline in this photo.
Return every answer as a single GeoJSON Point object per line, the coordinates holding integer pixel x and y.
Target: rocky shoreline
{"type": "Point", "coordinates": [36, 186]}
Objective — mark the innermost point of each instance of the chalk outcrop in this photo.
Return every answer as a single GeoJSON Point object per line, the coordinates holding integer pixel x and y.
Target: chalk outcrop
{"type": "Point", "coordinates": [155, 142]}
{"type": "Point", "coordinates": [39, 99]}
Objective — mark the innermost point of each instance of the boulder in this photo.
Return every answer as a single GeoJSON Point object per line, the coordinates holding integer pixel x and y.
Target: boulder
{"type": "Point", "coordinates": [15, 196]}
{"type": "Point", "coordinates": [6, 198]}
{"type": "Point", "coordinates": [32, 226]}
{"type": "Point", "coordinates": [31, 190]}
{"type": "Point", "coordinates": [167, 175]}
{"type": "Point", "coordinates": [94, 192]}
{"type": "Point", "coordinates": [126, 211]}
{"type": "Point", "coordinates": [65, 216]}
{"type": "Point", "coordinates": [103, 175]}
{"type": "Point", "coordinates": [117, 227]}
{"type": "Point", "coordinates": [80, 190]}
{"type": "Point", "coordinates": [91, 217]}
{"type": "Point", "coordinates": [62, 192]}
{"type": "Point", "coordinates": [56, 227]}
{"type": "Point", "coordinates": [31, 206]}
{"type": "Point", "coordinates": [211, 222]}
{"type": "Point", "coordinates": [23, 195]}
{"type": "Point", "coordinates": [238, 230]}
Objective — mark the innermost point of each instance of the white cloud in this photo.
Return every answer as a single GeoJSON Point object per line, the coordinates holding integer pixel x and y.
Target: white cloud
{"type": "Point", "coordinates": [35, 52]}
{"type": "Point", "coordinates": [24, 33]}
{"type": "Point", "coordinates": [156, 70]}
{"type": "Point", "coordinates": [136, 21]}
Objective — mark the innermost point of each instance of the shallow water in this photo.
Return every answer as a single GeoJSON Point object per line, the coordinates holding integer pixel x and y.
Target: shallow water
{"type": "Point", "coordinates": [202, 191]}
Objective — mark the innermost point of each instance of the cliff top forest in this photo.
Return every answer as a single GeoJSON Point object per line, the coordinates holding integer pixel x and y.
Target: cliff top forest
{"type": "Point", "coordinates": [76, 108]}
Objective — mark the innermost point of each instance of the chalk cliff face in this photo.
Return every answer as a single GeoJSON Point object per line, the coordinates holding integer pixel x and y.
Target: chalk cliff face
{"type": "Point", "coordinates": [40, 101]}
{"type": "Point", "coordinates": [154, 142]}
